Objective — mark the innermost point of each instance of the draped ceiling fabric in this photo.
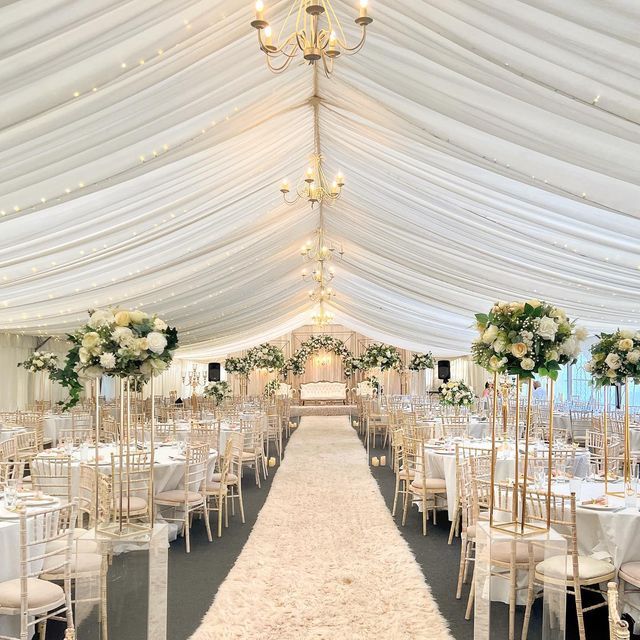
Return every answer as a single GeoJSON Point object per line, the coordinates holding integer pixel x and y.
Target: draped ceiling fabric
{"type": "Point", "coordinates": [491, 151]}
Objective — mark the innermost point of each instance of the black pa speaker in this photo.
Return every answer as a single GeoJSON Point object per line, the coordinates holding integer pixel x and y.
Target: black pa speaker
{"type": "Point", "coordinates": [214, 372]}
{"type": "Point", "coordinates": [444, 370]}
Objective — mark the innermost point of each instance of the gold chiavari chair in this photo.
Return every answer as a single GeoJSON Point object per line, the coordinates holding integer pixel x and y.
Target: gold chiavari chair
{"type": "Point", "coordinates": [52, 476]}
{"type": "Point", "coordinates": [274, 434]}
{"type": "Point", "coordinates": [45, 540]}
{"type": "Point", "coordinates": [253, 447]}
{"type": "Point", "coordinates": [455, 426]}
{"type": "Point", "coordinates": [217, 489]}
{"type": "Point", "coordinates": [8, 449]}
{"type": "Point", "coordinates": [131, 500]}
{"type": "Point", "coordinates": [581, 421]}
{"type": "Point", "coordinates": [565, 574]}
{"type": "Point", "coordinates": [208, 433]}
{"type": "Point", "coordinates": [192, 498]}
{"type": "Point", "coordinates": [595, 444]}
{"type": "Point", "coordinates": [426, 490]}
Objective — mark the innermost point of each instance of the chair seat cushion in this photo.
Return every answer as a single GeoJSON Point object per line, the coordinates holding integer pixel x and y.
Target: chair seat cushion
{"type": "Point", "coordinates": [40, 594]}
{"type": "Point", "coordinates": [431, 484]}
{"type": "Point", "coordinates": [588, 568]}
{"type": "Point", "coordinates": [630, 572]}
{"type": "Point", "coordinates": [136, 504]}
{"type": "Point", "coordinates": [80, 563]}
{"type": "Point", "coordinates": [214, 487]}
{"type": "Point", "coordinates": [232, 478]}
{"type": "Point", "coordinates": [177, 496]}
{"type": "Point", "coordinates": [404, 475]}
{"type": "Point", "coordinates": [501, 552]}
{"type": "Point", "coordinates": [248, 455]}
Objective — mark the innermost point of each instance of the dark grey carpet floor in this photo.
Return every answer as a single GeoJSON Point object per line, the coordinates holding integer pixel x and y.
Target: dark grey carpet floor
{"type": "Point", "coordinates": [194, 578]}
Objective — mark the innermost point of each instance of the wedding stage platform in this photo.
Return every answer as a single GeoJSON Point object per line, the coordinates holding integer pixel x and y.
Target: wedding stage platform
{"type": "Point", "coordinates": [298, 411]}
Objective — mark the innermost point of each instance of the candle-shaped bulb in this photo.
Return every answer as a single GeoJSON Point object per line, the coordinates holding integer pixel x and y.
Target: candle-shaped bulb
{"type": "Point", "coordinates": [363, 8]}
{"type": "Point", "coordinates": [267, 36]}
{"type": "Point", "coordinates": [259, 10]}
{"type": "Point", "coordinates": [335, 188]}
{"type": "Point", "coordinates": [284, 187]}
{"type": "Point", "coordinates": [333, 39]}
{"type": "Point", "coordinates": [340, 179]}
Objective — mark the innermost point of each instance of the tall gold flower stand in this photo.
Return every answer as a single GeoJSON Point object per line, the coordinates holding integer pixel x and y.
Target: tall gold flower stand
{"type": "Point", "coordinates": [143, 576]}
{"type": "Point", "coordinates": [492, 582]}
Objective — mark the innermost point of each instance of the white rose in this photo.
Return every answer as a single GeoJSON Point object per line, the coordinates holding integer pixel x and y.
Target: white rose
{"type": "Point", "coordinates": [490, 334]}
{"type": "Point", "coordinates": [589, 366]}
{"type": "Point", "coordinates": [119, 333]}
{"type": "Point", "coordinates": [122, 318]}
{"type": "Point", "coordinates": [159, 325]}
{"type": "Point", "coordinates": [495, 362]}
{"type": "Point", "coordinates": [581, 334]}
{"type": "Point", "coordinates": [613, 361]}
{"type": "Point", "coordinates": [84, 355]}
{"type": "Point", "coordinates": [137, 317]}
{"type": "Point", "coordinates": [39, 363]}
{"type": "Point", "coordinates": [527, 364]}
{"type": "Point", "coordinates": [547, 328]}
{"type": "Point", "coordinates": [157, 342]}
{"type": "Point", "coordinates": [500, 345]}
{"type": "Point", "coordinates": [91, 340]}
{"type": "Point", "coordinates": [552, 354]}
{"type": "Point", "coordinates": [627, 333]}
{"type": "Point", "coordinates": [626, 344]}
{"type": "Point", "coordinates": [559, 314]}
{"type": "Point", "coordinates": [612, 373]}
{"type": "Point", "coordinates": [519, 349]}
{"type": "Point", "coordinates": [633, 356]}
{"type": "Point", "coordinates": [101, 318]}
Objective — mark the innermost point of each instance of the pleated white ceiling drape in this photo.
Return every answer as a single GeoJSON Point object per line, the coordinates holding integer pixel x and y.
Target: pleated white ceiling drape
{"type": "Point", "coordinates": [490, 150]}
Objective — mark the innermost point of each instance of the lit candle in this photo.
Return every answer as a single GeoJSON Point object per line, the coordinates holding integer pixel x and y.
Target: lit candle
{"type": "Point", "coordinates": [375, 462]}
{"type": "Point", "coordinates": [340, 179]}
{"type": "Point", "coordinates": [309, 177]}
{"type": "Point", "coordinates": [284, 187]}
{"type": "Point", "coordinates": [363, 8]}
{"type": "Point", "coordinates": [383, 461]}
{"type": "Point", "coordinates": [272, 462]}
{"type": "Point", "coordinates": [259, 10]}
{"type": "Point", "coordinates": [267, 36]}
{"type": "Point", "coordinates": [334, 188]}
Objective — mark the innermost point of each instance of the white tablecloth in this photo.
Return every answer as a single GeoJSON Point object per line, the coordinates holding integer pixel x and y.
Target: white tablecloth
{"type": "Point", "coordinates": [443, 465]}
{"type": "Point", "coordinates": [55, 423]}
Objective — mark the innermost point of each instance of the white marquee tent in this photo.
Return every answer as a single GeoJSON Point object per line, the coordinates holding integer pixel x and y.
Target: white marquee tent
{"type": "Point", "coordinates": [491, 151]}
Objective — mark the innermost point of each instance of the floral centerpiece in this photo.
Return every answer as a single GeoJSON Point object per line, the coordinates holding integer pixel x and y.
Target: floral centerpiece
{"type": "Point", "coordinates": [526, 338]}
{"type": "Point", "coordinates": [383, 357]}
{"type": "Point", "coordinates": [40, 361]}
{"type": "Point", "coordinates": [117, 342]}
{"type": "Point", "coordinates": [266, 356]}
{"type": "Point", "coordinates": [615, 357]}
{"type": "Point", "coordinates": [217, 390]}
{"type": "Point", "coordinates": [456, 393]}
{"type": "Point", "coordinates": [421, 361]}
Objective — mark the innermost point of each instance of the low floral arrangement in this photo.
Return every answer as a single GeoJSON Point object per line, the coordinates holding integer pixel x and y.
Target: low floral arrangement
{"type": "Point", "coordinates": [40, 361]}
{"type": "Point", "coordinates": [456, 393]}
{"type": "Point", "coordinates": [271, 388]}
{"type": "Point", "coordinates": [526, 338]}
{"type": "Point", "coordinates": [383, 357]}
{"type": "Point", "coordinates": [351, 365]}
{"type": "Point", "coordinates": [218, 391]}
{"type": "Point", "coordinates": [117, 342]}
{"type": "Point", "coordinates": [421, 361]}
{"type": "Point", "coordinates": [266, 356]}
{"type": "Point", "coordinates": [298, 362]}
{"type": "Point", "coordinates": [615, 357]}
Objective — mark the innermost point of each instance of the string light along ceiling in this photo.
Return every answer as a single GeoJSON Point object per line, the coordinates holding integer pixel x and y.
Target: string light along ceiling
{"type": "Point", "coordinates": [317, 35]}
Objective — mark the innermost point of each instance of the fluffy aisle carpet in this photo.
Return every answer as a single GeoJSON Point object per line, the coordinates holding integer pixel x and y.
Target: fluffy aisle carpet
{"type": "Point", "coordinates": [324, 560]}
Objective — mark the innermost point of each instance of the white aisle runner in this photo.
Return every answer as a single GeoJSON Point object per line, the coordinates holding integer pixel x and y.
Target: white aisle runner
{"type": "Point", "coordinates": [324, 560]}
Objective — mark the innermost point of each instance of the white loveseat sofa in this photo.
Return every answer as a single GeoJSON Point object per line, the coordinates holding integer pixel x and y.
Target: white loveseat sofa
{"type": "Point", "coordinates": [323, 392]}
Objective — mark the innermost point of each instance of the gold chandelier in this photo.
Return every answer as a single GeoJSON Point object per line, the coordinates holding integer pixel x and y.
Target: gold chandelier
{"type": "Point", "coordinates": [317, 35]}
{"type": "Point", "coordinates": [322, 317]}
{"type": "Point", "coordinates": [314, 186]}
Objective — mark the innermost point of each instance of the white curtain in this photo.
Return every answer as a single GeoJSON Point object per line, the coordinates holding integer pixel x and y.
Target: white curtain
{"type": "Point", "coordinates": [20, 388]}
{"type": "Point", "coordinates": [490, 151]}
{"type": "Point", "coordinates": [475, 376]}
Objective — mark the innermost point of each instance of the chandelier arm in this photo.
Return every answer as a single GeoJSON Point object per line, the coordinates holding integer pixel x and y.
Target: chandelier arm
{"type": "Point", "coordinates": [279, 50]}
{"type": "Point", "coordinates": [280, 69]}
{"type": "Point", "coordinates": [351, 50]}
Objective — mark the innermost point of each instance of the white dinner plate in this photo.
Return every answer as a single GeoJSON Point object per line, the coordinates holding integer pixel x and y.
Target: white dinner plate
{"type": "Point", "coordinates": [40, 502]}
{"type": "Point", "coordinates": [600, 507]}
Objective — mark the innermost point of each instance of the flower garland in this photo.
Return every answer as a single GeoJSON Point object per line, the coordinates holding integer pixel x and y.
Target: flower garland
{"type": "Point", "coordinates": [240, 366]}
{"type": "Point", "coordinates": [526, 338]}
{"type": "Point", "coordinates": [421, 361]}
{"type": "Point", "coordinates": [40, 361]}
{"type": "Point", "coordinates": [456, 394]}
{"type": "Point", "coordinates": [615, 357]}
{"type": "Point", "coordinates": [298, 362]}
{"type": "Point", "coordinates": [120, 343]}
{"type": "Point", "coordinates": [217, 390]}
{"type": "Point", "coordinates": [383, 357]}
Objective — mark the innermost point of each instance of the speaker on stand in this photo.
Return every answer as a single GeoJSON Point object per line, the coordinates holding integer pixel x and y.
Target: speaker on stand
{"type": "Point", "coordinates": [444, 370]}
{"type": "Point", "coordinates": [214, 372]}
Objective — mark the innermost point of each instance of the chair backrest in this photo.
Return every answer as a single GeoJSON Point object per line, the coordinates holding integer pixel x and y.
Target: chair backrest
{"type": "Point", "coordinates": [28, 444]}
{"type": "Point", "coordinates": [8, 449]}
{"type": "Point", "coordinates": [130, 476]}
{"type": "Point", "coordinates": [52, 476]}
{"type": "Point", "coordinates": [10, 470]}
{"type": "Point", "coordinates": [197, 459]}
{"type": "Point", "coordinates": [207, 433]}
{"type": "Point", "coordinates": [93, 497]}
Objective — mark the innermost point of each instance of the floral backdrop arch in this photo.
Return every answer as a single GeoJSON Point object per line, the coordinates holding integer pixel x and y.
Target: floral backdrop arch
{"type": "Point", "coordinates": [298, 362]}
